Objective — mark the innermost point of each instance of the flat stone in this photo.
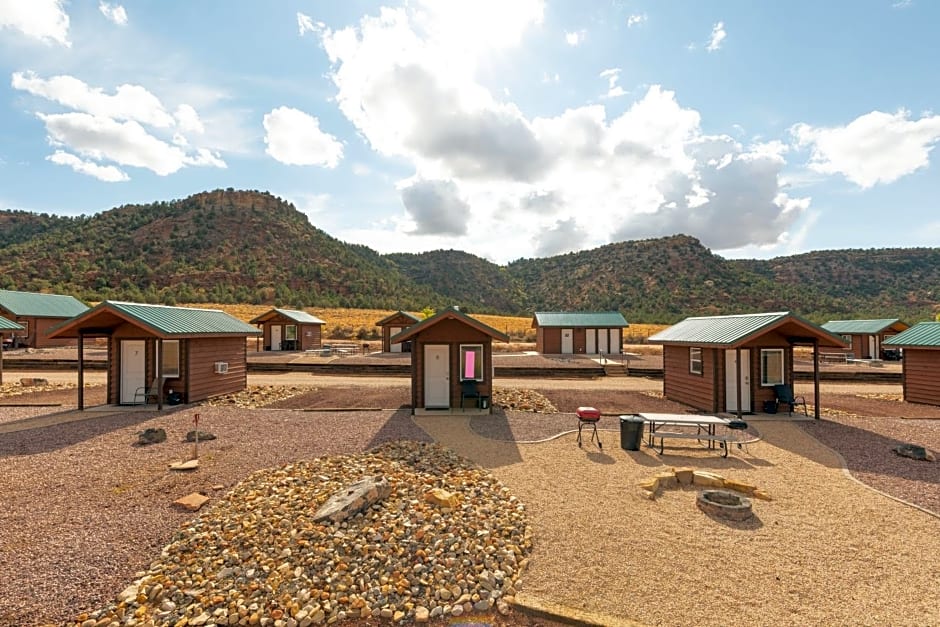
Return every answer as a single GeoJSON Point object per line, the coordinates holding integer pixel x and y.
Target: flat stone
{"type": "Point", "coordinates": [914, 451]}
{"type": "Point", "coordinates": [191, 464]}
{"type": "Point", "coordinates": [441, 498]}
{"type": "Point", "coordinates": [203, 435]}
{"type": "Point", "coordinates": [151, 436]}
{"type": "Point", "coordinates": [353, 499]}
{"type": "Point", "coordinates": [192, 502]}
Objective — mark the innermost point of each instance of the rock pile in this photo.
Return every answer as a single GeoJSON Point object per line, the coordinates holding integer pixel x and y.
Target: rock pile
{"type": "Point", "coordinates": [257, 558]}
{"type": "Point", "coordinates": [255, 396]}
{"type": "Point", "coordinates": [523, 400]}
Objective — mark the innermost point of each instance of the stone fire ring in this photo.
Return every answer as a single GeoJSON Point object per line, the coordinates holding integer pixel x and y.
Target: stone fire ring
{"type": "Point", "coordinates": [724, 504]}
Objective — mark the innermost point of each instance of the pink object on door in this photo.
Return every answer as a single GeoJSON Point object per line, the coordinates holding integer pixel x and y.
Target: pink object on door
{"type": "Point", "coordinates": [469, 362]}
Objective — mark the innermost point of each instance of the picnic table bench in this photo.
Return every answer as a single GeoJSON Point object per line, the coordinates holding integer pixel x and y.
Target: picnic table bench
{"type": "Point", "coordinates": [705, 430]}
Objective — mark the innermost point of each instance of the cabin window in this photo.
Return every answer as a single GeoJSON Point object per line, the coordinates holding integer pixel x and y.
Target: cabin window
{"type": "Point", "coordinates": [25, 332]}
{"type": "Point", "coordinates": [771, 366]}
{"type": "Point", "coordinates": [695, 360]}
{"type": "Point", "coordinates": [471, 362]}
{"type": "Point", "coordinates": [848, 340]}
{"type": "Point", "coordinates": [290, 332]}
{"type": "Point", "coordinates": [171, 359]}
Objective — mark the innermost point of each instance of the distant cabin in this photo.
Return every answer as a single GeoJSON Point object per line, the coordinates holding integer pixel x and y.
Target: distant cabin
{"type": "Point", "coordinates": [37, 313]}
{"type": "Point", "coordinates": [196, 353]}
{"type": "Point", "coordinates": [7, 328]}
{"type": "Point", "coordinates": [393, 325]}
{"type": "Point", "coordinates": [290, 330]}
{"type": "Point", "coordinates": [866, 337]}
{"type": "Point", "coordinates": [921, 344]}
{"type": "Point", "coordinates": [570, 333]}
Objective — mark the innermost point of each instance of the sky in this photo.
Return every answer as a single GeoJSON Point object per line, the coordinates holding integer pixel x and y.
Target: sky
{"type": "Point", "coordinates": [503, 128]}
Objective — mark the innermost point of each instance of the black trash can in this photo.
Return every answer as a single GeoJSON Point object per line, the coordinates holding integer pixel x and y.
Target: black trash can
{"type": "Point", "coordinates": [770, 407]}
{"type": "Point", "coordinates": [174, 398]}
{"type": "Point", "coordinates": [631, 432]}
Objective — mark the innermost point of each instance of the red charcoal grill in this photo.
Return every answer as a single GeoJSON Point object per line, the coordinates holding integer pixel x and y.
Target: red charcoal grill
{"type": "Point", "coordinates": [589, 416]}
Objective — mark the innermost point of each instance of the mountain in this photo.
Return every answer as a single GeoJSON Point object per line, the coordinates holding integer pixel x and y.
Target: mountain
{"type": "Point", "coordinates": [247, 246]}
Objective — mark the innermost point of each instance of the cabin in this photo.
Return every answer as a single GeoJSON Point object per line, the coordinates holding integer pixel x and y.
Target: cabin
{"type": "Point", "coordinates": [866, 337]}
{"type": "Point", "coordinates": [451, 362]}
{"type": "Point", "coordinates": [289, 330]}
{"type": "Point", "coordinates": [572, 333]}
{"type": "Point", "coordinates": [392, 325]}
{"type": "Point", "coordinates": [158, 353]}
{"type": "Point", "coordinates": [7, 327]}
{"type": "Point", "coordinates": [732, 363]}
{"type": "Point", "coordinates": [37, 313]}
{"type": "Point", "coordinates": [921, 345]}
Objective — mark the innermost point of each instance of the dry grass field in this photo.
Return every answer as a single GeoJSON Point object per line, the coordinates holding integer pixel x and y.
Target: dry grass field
{"type": "Point", "coordinates": [342, 323]}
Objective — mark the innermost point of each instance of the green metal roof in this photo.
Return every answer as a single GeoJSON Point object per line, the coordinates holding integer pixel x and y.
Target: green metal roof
{"type": "Point", "coordinates": [300, 317]}
{"type": "Point", "coordinates": [34, 305]}
{"type": "Point", "coordinates": [733, 330]}
{"type": "Point", "coordinates": [449, 313]}
{"type": "Point", "coordinates": [9, 325]}
{"type": "Point", "coordinates": [164, 320]}
{"type": "Point", "coordinates": [398, 313]}
{"type": "Point", "coordinates": [922, 334]}
{"type": "Point", "coordinates": [860, 327]}
{"type": "Point", "coordinates": [588, 319]}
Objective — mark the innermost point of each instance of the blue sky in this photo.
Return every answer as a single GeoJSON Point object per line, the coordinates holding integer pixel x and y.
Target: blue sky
{"type": "Point", "coordinates": [504, 129]}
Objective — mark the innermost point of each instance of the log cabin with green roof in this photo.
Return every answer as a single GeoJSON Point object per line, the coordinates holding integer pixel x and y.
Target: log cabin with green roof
{"type": "Point", "coordinates": [451, 357]}
{"type": "Point", "coordinates": [579, 332]}
{"type": "Point", "coordinates": [37, 313]}
{"type": "Point", "coordinates": [921, 363]}
{"type": "Point", "coordinates": [725, 364]}
{"type": "Point", "coordinates": [153, 349]}
{"type": "Point", "coordinates": [289, 330]}
{"type": "Point", "coordinates": [866, 337]}
{"type": "Point", "coordinates": [394, 324]}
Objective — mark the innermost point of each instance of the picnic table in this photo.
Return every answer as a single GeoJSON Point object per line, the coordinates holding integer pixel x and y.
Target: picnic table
{"type": "Point", "coordinates": [705, 429]}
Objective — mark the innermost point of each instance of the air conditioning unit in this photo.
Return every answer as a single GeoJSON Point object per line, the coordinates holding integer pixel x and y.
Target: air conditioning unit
{"type": "Point", "coordinates": [221, 367]}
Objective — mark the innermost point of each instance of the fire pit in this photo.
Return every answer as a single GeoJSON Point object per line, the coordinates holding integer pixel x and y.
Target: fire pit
{"type": "Point", "coordinates": [724, 504]}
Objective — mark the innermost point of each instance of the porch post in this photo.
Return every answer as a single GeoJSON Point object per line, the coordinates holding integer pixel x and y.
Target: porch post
{"type": "Point", "coordinates": [737, 364]}
{"type": "Point", "coordinates": [1, 358]}
{"type": "Point", "coordinates": [81, 370]}
{"type": "Point", "coordinates": [159, 374]}
{"type": "Point", "coordinates": [816, 375]}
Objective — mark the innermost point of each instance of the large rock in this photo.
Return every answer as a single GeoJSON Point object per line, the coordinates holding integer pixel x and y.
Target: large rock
{"type": "Point", "coordinates": [914, 451]}
{"type": "Point", "coordinates": [151, 436]}
{"type": "Point", "coordinates": [203, 435]}
{"type": "Point", "coordinates": [353, 499]}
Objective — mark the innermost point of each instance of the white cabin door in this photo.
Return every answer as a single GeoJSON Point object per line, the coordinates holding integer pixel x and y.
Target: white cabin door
{"type": "Point", "coordinates": [615, 346]}
{"type": "Point", "coordinates": [392, 331]}
{"type": "Point", "coordinates": [133, 370]}
{"type": "Point", "coordinates": [567, 341]}
{"type": "Point", "coordinates": [591, 342]}
{"type": "Point", "coordinates": [602, 341]}
{"type": "Point", "coordinates": [275, 337]}
{"type": "Point", "coordinates": [873, 352]}
{"type": "Point", "coordinates": [731, 380]}
{"type": "Point", "coordinates": [437, 376]}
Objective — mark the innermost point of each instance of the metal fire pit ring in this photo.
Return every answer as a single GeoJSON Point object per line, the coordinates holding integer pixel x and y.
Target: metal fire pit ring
{"type": "Point", "coordinates": [724, 504]}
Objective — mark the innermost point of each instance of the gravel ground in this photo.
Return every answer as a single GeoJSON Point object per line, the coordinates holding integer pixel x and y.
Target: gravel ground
{"type": "Point", "coordinates": [84, 509]}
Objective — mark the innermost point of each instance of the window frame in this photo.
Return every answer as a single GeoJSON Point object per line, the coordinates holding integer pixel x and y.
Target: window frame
{"type": "Point", "coordinates": [479, 374]}
{"type": "Point", "coordinates": [290, 329]}
{"type": "Point", "coordinates": [693, 350]}
{"type": "Point", "coordinates": [165, 372]}
{"type": "Point", "coordinates": [764, 381]}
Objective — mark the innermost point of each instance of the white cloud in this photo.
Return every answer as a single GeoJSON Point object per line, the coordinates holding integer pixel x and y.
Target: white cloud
{"type": "Point", "coordinates": [294, 137]}
{"type": "Point", "coordinates": [100, 138]}
{"type": "Point", "coordinates": [901, 4]}
{"type": "Point", "coordinates": [550, 79]}
{"type": "Point", "coordinates": [306, 24]}
{"type": "Point", "coordinates": [436, 207]}
{"type": "Point", "coordinates": [108, 173]}
{"type": "Point", "coordinates": [129, 102]}
{"type": "Point", "coordinates": [45, 20]}
{"type": "Point", "coordinates": [718, 36]}
{"type": "Point", "coordinates": [188, 119]}
{"type": "Point", "coordinates": [637, 19]}
{"type": "Point", "coordinates": [613, 89]}
{"type": "Point", "coordinates": [575, 38]}
{"type": "Point", "coordinates": [874, 148]}
{"type": "Point", "coordinates": [533, 184]}
{"type": "Point", "coordinates": [114, 12]}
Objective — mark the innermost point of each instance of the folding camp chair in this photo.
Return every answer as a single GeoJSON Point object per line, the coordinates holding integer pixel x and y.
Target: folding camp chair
{"type": "Point", "coordinates": [784, 392]}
